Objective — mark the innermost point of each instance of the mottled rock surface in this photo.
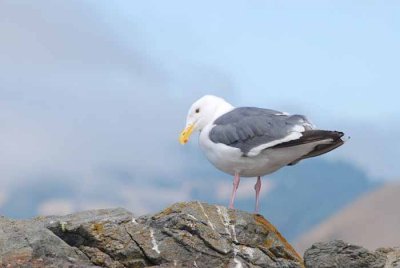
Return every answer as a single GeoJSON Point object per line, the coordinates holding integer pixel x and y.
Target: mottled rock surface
{"type": "Point", "coordinates": [184, 235]}
{"type": "Point", "coordinates": [338, 253]}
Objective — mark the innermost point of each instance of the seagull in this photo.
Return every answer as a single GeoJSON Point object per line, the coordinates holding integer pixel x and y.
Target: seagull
{"type": "Point", "coordinates": [253, 142]}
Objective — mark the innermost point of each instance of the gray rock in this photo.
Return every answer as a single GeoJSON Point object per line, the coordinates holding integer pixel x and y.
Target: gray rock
{"type": "Point", "coordinates": [30, 243]}
{"type": "Point", "coordinates": [338, 253]}
{"type": "Point", "coordinates": [184, 235]}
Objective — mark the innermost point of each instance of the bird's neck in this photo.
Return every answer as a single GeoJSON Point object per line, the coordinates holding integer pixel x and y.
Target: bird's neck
{"type": "Point", "coordinates": [223, 108]}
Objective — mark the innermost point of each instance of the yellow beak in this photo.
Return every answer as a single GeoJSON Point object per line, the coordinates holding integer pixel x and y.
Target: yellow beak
{"type": "Point", "coordinates": [185, 134]}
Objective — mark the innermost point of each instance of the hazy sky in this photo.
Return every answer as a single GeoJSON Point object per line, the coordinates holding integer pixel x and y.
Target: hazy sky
{"type": "Point", "coordinates": [338, 56]}
{"type": "Point", "coordinates": [88, 86]}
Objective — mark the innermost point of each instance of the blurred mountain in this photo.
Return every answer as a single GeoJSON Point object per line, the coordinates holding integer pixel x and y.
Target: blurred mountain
{"type": "Point", "coordinates": [312, 192]}
{"type": "Point", "coordinates": [298, 197]}
{"type": "Point", "coordinates": [372, 220]}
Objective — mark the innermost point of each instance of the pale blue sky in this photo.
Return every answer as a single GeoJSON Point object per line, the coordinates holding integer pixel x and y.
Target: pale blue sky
{"type": "Point", "coordinates": [338, 57]}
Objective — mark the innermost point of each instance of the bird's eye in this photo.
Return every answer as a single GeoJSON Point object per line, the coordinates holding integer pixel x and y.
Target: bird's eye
{"type": "Point", "coordinates": [198, 110]}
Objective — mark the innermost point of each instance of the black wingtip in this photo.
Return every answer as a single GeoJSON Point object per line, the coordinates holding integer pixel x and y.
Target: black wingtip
{"type": "Point", "coordinates": [339, 133]}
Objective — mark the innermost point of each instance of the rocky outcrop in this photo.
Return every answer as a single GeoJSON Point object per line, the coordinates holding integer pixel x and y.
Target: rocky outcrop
{"type": "Point", "coordinates": [339, 254]}
{"type": "Point", "coordinates": [190, 234]}
{"type": "Point", "coordinates": [184, 235]}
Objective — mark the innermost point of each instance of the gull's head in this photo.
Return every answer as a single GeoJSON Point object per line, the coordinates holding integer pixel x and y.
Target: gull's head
{"type": "Point", "coordinates": [203, 112]}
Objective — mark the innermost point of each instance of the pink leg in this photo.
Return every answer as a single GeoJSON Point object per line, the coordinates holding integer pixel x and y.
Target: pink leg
{"type": "Point", "coordinates": [257, 187]}
{"type": "Point", "coordinates": [236, 181]}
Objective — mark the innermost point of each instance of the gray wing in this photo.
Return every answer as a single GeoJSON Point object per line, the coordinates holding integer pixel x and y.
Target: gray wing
{"type": "Point", "coordinates": [247, 127]}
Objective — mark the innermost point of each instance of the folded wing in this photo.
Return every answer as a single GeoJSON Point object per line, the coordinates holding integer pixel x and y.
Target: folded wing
{"type": "Point", "coordinates": [253, 130]}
